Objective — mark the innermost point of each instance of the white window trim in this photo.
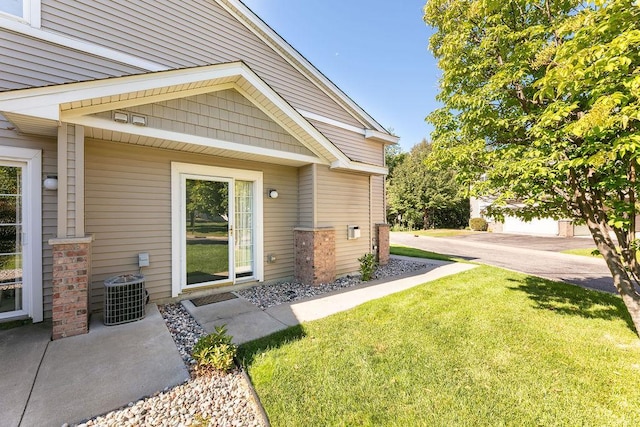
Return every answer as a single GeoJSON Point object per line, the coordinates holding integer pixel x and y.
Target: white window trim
{"type": "Point", "coordinates": [32, 241]}
{"type": "Point", "coordinates": [178, 263]}
{"type": "Point", "coordinates": [31, 14]}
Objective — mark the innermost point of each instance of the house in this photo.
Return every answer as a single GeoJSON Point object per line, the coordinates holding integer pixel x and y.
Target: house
{"type": "Point", "coordinates": [186, 137]}
{"type": "Point", "coordinates": [536, 227]}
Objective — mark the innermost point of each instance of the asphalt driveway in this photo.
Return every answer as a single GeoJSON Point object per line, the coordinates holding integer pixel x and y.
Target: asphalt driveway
{"type": "Point", "coordinates": [538, 256]}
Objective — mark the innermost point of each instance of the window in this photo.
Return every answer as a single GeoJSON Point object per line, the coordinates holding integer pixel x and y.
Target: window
{"type": "Point", "coordinates": [26, 10]}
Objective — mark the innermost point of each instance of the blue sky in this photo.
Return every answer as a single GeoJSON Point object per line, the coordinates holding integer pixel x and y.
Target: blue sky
{"type": "Point", "coordinates": [374, 50]}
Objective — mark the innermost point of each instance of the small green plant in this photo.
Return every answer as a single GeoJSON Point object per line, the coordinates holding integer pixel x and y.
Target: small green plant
{"type": "Point", "coordinates": [368, 266]}
{"type": "Point", "coordinates": [478, 224]}
{"type": "Point", "coordinates": [215, 351]}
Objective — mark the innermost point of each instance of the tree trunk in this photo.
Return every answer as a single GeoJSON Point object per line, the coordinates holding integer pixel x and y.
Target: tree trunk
{"type": "Point", "coordinates": [621, 280]}
{"type": "Point", "coordinates": [425, 219]}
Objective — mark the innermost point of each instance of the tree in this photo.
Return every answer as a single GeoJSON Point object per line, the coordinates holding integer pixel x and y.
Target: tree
{"type": "Point", "coordinates": [424, 196]}
{"type": "Point", "coordinates": [541, 101]}
{"type": "Point", "coordinates": [209, 198]}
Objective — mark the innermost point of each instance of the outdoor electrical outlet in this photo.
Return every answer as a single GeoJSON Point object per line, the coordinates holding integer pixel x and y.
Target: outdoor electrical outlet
{"type": "Point", "coordinates": [143, 259]}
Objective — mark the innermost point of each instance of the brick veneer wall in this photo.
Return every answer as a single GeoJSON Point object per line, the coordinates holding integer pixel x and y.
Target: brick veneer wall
{"type": "Point", "coordinates": [383, 243]}
{"type": "Point", "coordinates": [315, 255]}
{"type": "Point", "coordinates": [71, 278]}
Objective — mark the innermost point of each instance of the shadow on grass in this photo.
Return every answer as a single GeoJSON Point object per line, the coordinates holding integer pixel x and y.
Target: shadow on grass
{"type": "Point", "coordinates": [419, 253]}
{"type": "Point", "coordinates": [248, 351]}
{"type": "Point", "coordinates": [566, 299]}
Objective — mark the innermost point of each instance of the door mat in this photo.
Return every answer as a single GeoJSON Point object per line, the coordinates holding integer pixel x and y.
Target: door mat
{"type": "Point", "coordinates": [211, 299]}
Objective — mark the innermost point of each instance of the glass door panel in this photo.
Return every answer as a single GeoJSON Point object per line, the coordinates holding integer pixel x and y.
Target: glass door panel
{"type": "Point", "coordinates": [11, 224]}
{"type": "Point", "coordinates": [244, 229]}
{"type": "Point", "coordinates": [207, 231]}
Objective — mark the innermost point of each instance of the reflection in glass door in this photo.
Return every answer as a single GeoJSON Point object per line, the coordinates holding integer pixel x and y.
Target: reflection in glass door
{"type": "Point", "coordinates": [243, 236]}
{"type": "Point", "coordinates": [208, 231]}
{"type": "Point", "coordinates": [11, 228]}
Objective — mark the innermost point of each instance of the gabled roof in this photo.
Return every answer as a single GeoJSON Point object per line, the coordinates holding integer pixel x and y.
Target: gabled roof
{"type": "Point", "coordinates": [372, 129]}
{"type": "Point", "coordinates": [245, 15]}
{"type": "Point", "coordinates": [39, 110]}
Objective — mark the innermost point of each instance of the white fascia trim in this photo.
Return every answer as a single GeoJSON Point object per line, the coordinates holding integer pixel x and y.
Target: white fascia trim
{"type": "Point", "coordinates": [97, 122]}
{"type": "Point", "coordinates": [276, 42]}
{"type": "Point", "coordinates": [45, 102]}
{"type": "Point", "coordinates": [370, 134]}
{"type": "Point", "coordinates": [313, 116]}
{"type": "Point", "coordinates": [380, 137]}
{"type": "Point", "coordinates": [284, 106]}
{"type": "Point", "coordinates": [360, 167]}
{"type": "Point", "coordinates": [35, 31]}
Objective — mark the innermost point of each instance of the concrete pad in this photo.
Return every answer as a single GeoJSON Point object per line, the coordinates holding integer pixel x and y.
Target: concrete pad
{"type": "Point", "coordinates": [87, 375]}
{"type": "Point", "coordinates": [21, 350]}
{"type": "Point", "coordinates": [335, 302]}
{"type": "Point", "coordinates": [247, 327]}
{"type": "Point", "coordinates": [219, 310]}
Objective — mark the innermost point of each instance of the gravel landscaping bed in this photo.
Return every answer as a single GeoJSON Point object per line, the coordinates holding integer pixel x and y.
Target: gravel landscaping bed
{"type": "Point", "coordinates": [220, 399]}
{"type": "Point", "coordinates": [266, 296]}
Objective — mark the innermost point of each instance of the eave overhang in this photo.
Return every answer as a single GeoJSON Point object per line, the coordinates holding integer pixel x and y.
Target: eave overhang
{"type": "Point", "coordinates": [40, 110]}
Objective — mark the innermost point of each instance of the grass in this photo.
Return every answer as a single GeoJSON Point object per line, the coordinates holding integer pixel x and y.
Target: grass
{"type": "Point", "coordinates": [203, 228]}
{"type": "Point", "coordinates": [419, 253]}
{"type": "Point", "coordinates": [442, 232]}
{"type": "Point", "coordinates": [581, 252]}
{"type": "Point", "coordinates": [205, 259]}
{"type": "Point", "coordinates": [484, 347]}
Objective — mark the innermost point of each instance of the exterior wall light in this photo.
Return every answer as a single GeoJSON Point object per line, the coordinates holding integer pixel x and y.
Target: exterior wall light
{"type": "Point", "coordinates": [120, 117]}
{"type": "Point", "coordinates": [139, 120]}
{"type": "Point", "coordinates": [273, 194]}
{"type": "Point", "coordinates": [51, 182]}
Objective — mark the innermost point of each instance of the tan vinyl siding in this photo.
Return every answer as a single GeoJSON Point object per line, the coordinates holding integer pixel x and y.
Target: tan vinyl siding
{"type": "Point", "coordinates": [224, 115]}
{"type": "Point", "coordinates": [342, 200]}
{"type": "Point", "coordinates": [8, 137]}
{"type": "Point", "coordinates": [128, 210]}
{"type": "Point", "coordinates": [28, 62]}
{"type": "Point", "coordinates": [378, 203]}
{"type": "Point", "coordinates": [353, 144]}
{"type": "Point", "coordinates": [185, 34]}
{"type": "Point", "coordinates": [306, 216]}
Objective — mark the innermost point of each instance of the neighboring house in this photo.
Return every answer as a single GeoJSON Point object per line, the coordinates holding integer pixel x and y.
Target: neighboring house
{"type": "Point", "coordinates": [187, 130]}
{"type": "Point", "coordinates": [536, 227]}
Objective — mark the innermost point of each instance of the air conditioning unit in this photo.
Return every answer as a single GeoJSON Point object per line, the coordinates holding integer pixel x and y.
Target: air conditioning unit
{"type": "Point", "coordinates": [124, 299]}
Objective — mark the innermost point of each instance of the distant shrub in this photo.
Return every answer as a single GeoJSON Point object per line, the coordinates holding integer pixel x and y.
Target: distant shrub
{"type": "Point", "coordinates": [478, 224]}
{"type": "Point", "coordinates": [215, 351]}
{"type": "Point", "coordinates": [368, 266]}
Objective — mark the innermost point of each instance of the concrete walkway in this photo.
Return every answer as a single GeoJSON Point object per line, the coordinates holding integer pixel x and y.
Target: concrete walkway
{"type": "Point", "coordinates": [49, 383]}
{"type": "Point", "coordinates": [246, 322]}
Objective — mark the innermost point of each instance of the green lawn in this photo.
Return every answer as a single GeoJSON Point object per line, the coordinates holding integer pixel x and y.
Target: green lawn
{"type": "Point", "coordinates": [419, 253]}
{"type": "Point", "coordinates": [442, 232]}
{"type": "Point", "coordinates": [206, 260]}
{"type": "Point", "coordinates": [485, 347]}
{"type": "Point", "coordinates": [581, 252]}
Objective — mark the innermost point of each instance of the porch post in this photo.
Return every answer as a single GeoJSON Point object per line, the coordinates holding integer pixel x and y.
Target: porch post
{"type": "Point", "coordinates": [315, 255]}
{"type": "Point", "coordinates": [382, 235]}
{"type": "Point", "coordinates": [71, 248]}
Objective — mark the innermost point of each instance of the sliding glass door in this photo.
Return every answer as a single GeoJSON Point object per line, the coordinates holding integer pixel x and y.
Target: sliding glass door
{"type": "Point", "coordinates": [217, 238]}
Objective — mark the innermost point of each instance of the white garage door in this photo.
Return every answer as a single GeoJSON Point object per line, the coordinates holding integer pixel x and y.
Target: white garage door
{"type": "Point", "coordinates": [544, 226]}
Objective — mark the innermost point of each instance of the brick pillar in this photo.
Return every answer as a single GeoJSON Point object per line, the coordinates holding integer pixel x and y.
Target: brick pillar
{"type": "Point", "coordinates": [71, 280]}
{"type": "Point", "coordinates": [315, 255]}
{"type": "Point", "coordinates": [382, 237]}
